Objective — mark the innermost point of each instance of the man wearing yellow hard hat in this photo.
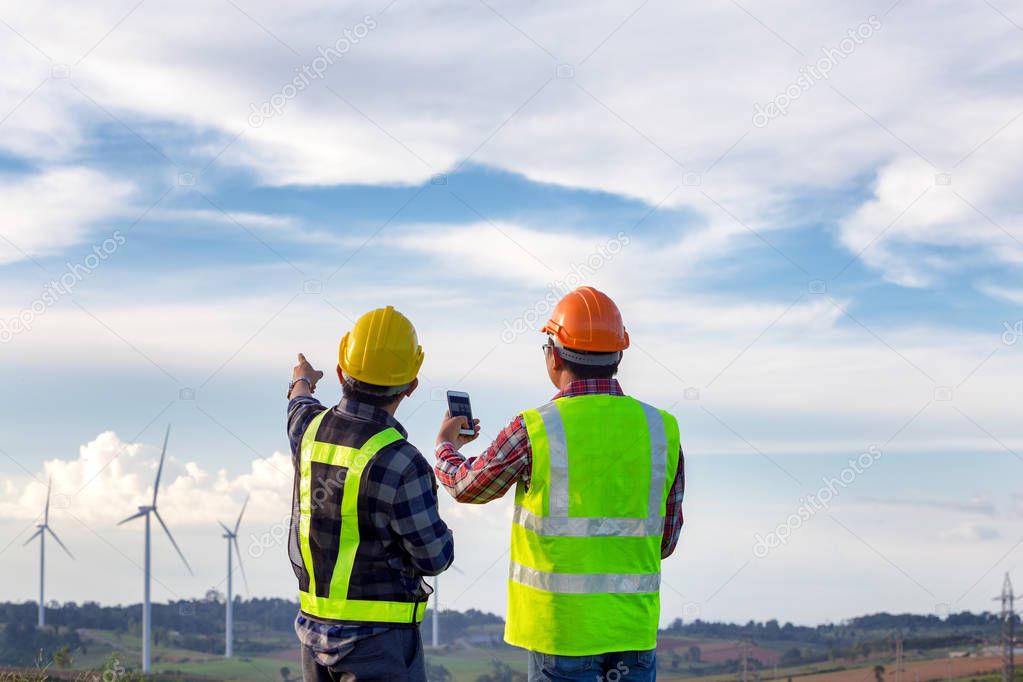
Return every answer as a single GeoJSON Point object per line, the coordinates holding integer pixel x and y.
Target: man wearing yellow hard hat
{"type": "Point", "coordinates": [599, 482]}
{"type": "Point", "coordinates": [365, 527]}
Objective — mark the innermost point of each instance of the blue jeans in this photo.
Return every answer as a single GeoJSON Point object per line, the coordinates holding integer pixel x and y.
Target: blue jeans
{"type": "Point", "coordinates": [623, 666]}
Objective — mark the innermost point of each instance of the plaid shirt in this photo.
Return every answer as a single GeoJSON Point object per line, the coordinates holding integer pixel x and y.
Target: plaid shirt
{"type": "Point", "coordinates": [407, 488]}
{"type": "Point", "coordinates": [509, 459]}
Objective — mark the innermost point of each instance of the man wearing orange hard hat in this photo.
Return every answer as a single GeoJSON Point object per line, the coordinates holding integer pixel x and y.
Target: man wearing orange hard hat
{"type": "Point", "coordinates": [599, 482]}
{"type": "Point", "coordinates": [365, 527]}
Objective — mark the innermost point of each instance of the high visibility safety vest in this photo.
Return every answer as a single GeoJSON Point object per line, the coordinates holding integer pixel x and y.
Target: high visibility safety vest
{"type": "Point", "coordinates": [328, 530]}
{"type": "Point", "coordinates": [586, 535]}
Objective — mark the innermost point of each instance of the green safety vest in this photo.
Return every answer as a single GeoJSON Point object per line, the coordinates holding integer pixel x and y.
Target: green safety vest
{"type": "Point", "coordinates": [330, 601]}
{"type": "Point", "coordinates": [586, 535]}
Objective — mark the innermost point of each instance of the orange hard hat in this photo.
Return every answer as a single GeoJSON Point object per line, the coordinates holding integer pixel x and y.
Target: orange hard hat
{"type": "Point", "coordinates": [588, 320]}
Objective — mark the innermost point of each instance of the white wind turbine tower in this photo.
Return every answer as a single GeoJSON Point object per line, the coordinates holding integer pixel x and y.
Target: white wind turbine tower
{"type": "Point", "coordinates": [43, 529]}
{"type": "Point", "coordinates": [146, 510]}
{"type": "Point", "coordinates": [232, 539]}
{"type": "Point", "coordinates": [436, 607]}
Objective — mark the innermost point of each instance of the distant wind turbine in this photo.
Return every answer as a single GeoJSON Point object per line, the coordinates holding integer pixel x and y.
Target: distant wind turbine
{"type": "Point", "coordinates": [232, 539]}
{"type": "Point", "coordinates": [43, 529]}
{"type": "Point", "coordinates": [436, 606]}
{"type": "Point", "coordinates": [146, 510]}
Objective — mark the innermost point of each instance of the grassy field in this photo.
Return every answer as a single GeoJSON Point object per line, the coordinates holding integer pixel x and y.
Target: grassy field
{"type": "Point", "coordinates": [234, 669]}
{"type": "Point", "coordinates": [106, 650]}
{"type": "Point", "coordinates": [466, 665]}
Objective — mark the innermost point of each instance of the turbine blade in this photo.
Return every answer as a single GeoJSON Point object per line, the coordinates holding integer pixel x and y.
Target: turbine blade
{"type": "Point", "coordinates": [226, 529]}
{"type": "Point", "coordinates": [239, 521]}
{"type": "Point", "coordinates": [241, 566]}
{"type": "Point", "coordinates": [32, 537]}
{"type": "Point", "coordinates": [133, 516]}
{"type": "Point", "coordinates": [456, 569]}
{"type": "Point", "coordinates": [62, 546]}
{"type": "Point", "coordinates": [159, 471]}
{"type": "Point", "coordinates": [171, 538]}
{"type": "Point", "coordinates": [46, 513]}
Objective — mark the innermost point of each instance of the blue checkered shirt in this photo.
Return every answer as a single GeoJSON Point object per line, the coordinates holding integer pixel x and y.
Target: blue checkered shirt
{"type": "Point", "coordinates": [407, 487]}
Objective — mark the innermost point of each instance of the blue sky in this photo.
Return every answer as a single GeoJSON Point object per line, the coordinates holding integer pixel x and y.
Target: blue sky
{"type": "Point", "coordinates": [841, 280]}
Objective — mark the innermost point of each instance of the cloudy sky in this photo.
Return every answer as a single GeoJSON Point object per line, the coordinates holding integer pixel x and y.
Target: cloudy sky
{"type": "Point", "coordinates": [804, 209]}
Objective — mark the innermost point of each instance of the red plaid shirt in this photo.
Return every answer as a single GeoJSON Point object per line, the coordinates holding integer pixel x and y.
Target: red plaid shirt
{"type": "Point", "coordinates": [509, 459]}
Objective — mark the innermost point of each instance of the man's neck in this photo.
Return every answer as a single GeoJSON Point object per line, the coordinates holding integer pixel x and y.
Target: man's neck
{"type": "Point", "coordinates": [392, 408]}
{"type": "Point", "coordinates": [566, 380]}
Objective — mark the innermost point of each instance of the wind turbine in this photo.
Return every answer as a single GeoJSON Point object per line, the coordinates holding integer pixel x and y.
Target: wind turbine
{"type": "Point", "coordinates": [146, 510]}
{"type": "Point", "coordinates": [232, 539]}
{"type": "Point", "coordinates": [43, 529]}
{"type": "Point", "coordinates": [436, 607]}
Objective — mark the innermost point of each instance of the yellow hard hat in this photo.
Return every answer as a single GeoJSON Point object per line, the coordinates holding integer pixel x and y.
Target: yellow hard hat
{"type": "Point", "coordinates": [381, 349]}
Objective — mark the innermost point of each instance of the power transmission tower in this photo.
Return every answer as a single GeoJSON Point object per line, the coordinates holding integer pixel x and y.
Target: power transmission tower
{"type": "Point", "coordinates": [1008, 630]}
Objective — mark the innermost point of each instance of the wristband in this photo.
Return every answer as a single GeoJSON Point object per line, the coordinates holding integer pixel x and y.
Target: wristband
{"type": "Point", "coordinates": [291, 384]}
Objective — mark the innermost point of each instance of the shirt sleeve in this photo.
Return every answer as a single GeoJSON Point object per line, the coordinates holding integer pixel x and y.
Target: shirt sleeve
{"type": "Point", "coordinates": [301, 411]}
{"type": "Point", "coordinates": [416, 520]}
{"type": "Point", "coordinates": [489, 476]}
{"type": "Point", "coordinates": [673, 510]}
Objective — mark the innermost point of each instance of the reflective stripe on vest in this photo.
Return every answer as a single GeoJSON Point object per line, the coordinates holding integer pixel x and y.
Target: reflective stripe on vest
{"type": "Point", "coordinates": [587, 527]}
{"type": "Point", "coordinates": [586, 583]}
{"type": "Point", "coordinates": [328, 599]}
{"type": "Point", "coordinates": [585, 567]}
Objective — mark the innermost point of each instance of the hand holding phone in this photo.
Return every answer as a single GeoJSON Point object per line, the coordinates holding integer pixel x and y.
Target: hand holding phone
{"type": "Point", "coordinates": [453, 429]}
{"type": "Point", "coordinates": [458, 406]}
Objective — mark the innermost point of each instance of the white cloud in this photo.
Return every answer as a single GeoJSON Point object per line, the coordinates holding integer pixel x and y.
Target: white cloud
{"type": "Point", "coordinates": [970, 533]}
{"type": "Point", "coordinates": [260, 221]}
{"type": "Point", "coordinates": [268, 225]}
{"type": "Point", "coordinates": [111, 477]}
{"type": "Point", "coordinates": [667, 93]}
{"type": "Point", "coordinates": [630, 262]}
{"type": "Point", "coordinates": [1007, 294]}
{"type": "Point", "coordinates": [906, 230]}
{"type": "Point", "coordinates": [522, 255]}
{"type": "Point", "coordinates": [48, 211]}
{"type": "Point", "coordinates": [977, 505]}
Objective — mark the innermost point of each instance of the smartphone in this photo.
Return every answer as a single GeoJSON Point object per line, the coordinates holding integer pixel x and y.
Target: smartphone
{"type": "Point", "coordinates": [458, 406]}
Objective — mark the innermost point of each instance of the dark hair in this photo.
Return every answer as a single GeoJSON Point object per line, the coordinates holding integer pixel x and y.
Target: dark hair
{"type": "Point", "coordinates": [350, 390]}
{"type": "Point", "coordinates": [591, 371]}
